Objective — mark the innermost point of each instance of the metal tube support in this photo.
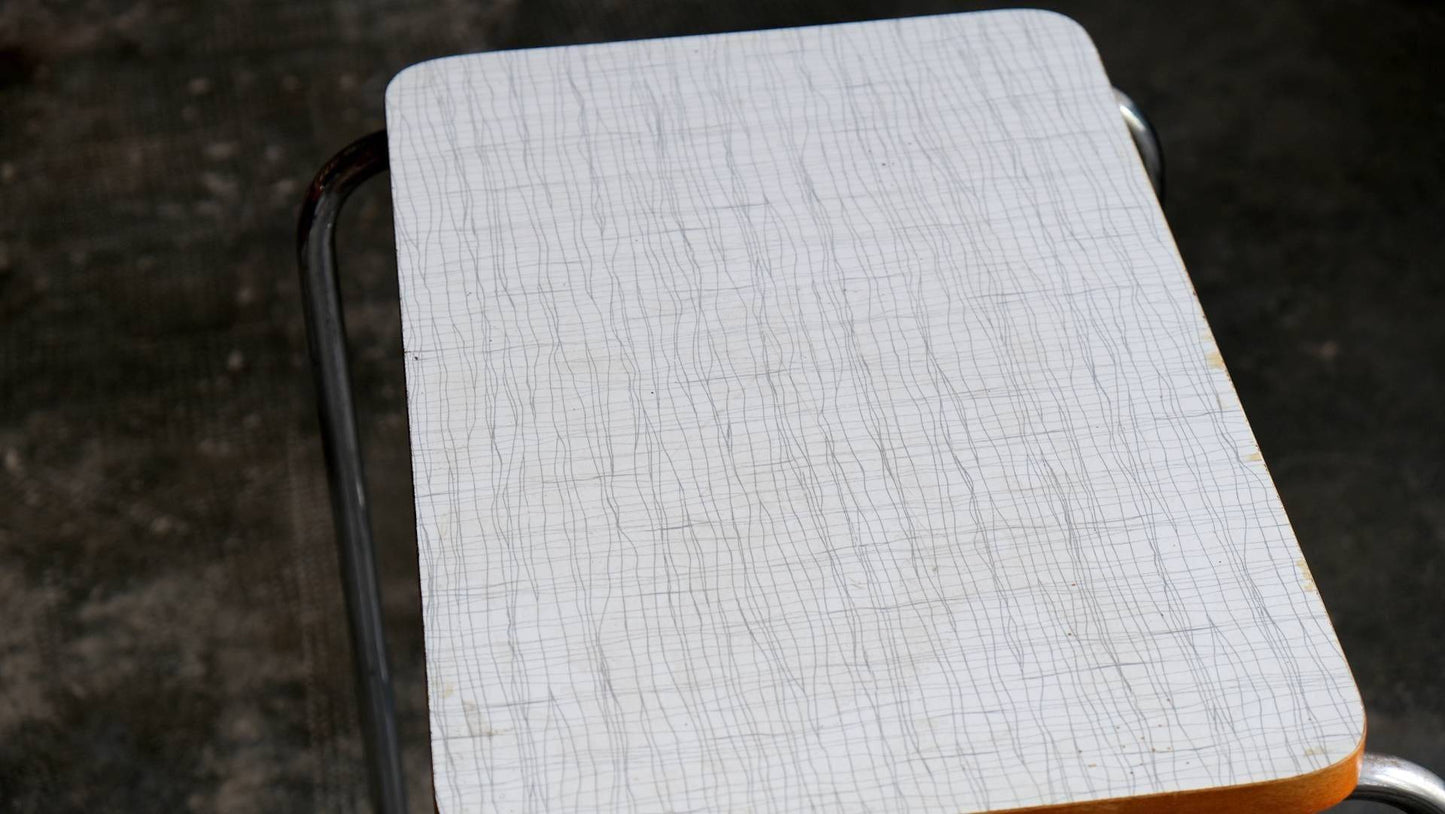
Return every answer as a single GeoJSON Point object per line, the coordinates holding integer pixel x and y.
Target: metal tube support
{"type": "Point", "coordinates": [326, 336]}
{"type": "Point", "coordinates": [1401, 784]}
{"type": "Point", "coordinates": [1145, 141]}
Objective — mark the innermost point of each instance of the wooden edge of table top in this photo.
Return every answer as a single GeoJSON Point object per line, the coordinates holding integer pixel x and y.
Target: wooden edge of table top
{"type": "Point", "coordinates": [1306, 793]}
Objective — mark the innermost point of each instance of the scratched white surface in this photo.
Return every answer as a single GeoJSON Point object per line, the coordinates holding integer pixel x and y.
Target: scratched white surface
{"type": "Point", "coordinates": [823, 419]}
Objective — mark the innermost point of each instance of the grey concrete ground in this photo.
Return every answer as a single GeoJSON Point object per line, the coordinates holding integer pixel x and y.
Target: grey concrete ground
{"type": "Point", "coordinates": [171, 633]}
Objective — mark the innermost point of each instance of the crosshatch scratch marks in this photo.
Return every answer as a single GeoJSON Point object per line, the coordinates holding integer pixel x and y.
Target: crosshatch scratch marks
{"type": "Point", "coordinates": [822, 418]}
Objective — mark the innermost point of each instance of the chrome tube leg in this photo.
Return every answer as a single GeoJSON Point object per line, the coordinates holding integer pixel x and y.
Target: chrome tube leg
{"type": "Point", "coordinates": [1145, 141]}
{"type": "Point", "coordinates": [326, 336]}
{"type": "Point", "coordinates": [1399, 783]}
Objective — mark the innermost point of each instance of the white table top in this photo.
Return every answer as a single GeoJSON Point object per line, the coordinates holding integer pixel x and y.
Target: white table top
{"type": "Point", "coordinates": [823, 418]}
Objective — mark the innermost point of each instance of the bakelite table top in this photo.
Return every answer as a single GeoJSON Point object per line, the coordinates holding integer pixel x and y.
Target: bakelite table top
{"type": "Point", "coordinates": [823, 418]}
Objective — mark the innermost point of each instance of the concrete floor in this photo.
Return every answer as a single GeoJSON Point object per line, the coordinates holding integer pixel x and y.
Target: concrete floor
{"type": "Point", "coordinates": [172, 632]}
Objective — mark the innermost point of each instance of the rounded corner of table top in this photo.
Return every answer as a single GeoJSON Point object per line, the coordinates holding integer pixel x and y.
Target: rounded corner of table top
{"type": "Point", "coordinates": [1305, 793]}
